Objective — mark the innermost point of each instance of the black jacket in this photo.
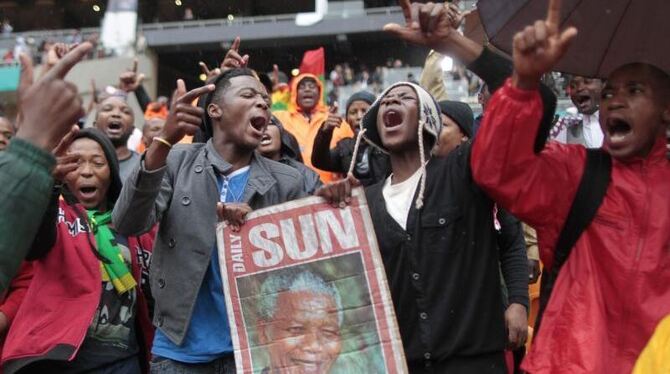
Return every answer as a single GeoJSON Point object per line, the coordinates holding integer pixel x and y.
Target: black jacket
{"type": "Point", "coordinates": [337, 160]}
{"type": "Point", "coordinates": [443, 271]}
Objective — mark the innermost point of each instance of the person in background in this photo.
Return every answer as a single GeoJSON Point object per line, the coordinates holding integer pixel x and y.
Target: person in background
{"type": "Point", "coordinates": [152, 128]}
{"type": "Point", "coordinates": [583, 128]}
{"type": "Point", "coordinates": [371, 163]}
{"type": "Point", "coordinates": [279, 145]}
{"type": "Point", "coordinates": [115, 118]}
{"type": "Point", "coordinates": [457, 121]}
{"type": "Point", "coordinates": [306, 114]}
{"type": "Point", "coordinates": [6, 132]}
{"type": "Point", "coordinates": [89, 290]}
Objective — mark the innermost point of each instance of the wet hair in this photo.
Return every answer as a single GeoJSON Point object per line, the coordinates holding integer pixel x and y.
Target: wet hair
{"type": "Point", "coordinates": [304, 281]}
{"type": "Point", "coordinates": [221, 82]}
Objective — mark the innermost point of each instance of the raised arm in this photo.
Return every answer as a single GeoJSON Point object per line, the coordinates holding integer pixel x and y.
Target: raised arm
{"type": "Point", "coordinates": [148, 190]}
{"type": "Point", "coordinates": [323, 157]}
{"type": "Point", "coordinates": [538, 188]}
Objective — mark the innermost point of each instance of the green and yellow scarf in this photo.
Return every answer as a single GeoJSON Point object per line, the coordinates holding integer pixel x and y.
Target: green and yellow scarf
{"type": "Point", "coordinates": [115, 270]}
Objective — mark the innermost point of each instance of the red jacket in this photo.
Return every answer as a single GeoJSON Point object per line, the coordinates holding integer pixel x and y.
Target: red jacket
{"type": "Point", "coordinates": [615, 287]}
{"type": "Point", "coordinates": [17, 291]}
{"type": "Point", "coordinates": [65, 292]}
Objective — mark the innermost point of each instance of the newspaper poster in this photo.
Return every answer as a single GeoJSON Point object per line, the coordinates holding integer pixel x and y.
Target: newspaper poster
{"type": "Point", "coordinates": [306, 291]}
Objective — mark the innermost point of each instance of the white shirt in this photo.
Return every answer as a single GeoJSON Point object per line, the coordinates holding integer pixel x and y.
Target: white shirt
{"type": "Point", "coordinates": [400, 196]}
{"type": "Point", "coordinates": [593, 135]}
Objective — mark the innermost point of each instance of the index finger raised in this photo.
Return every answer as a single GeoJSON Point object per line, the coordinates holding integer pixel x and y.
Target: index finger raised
{"type": "Point", "coordinates": [134, 65]}
{"type": "Point", "coordinates": [27, 74]}
{"type": "Point", "coordinates": [236, 44]}
{"type": "Point", "coordinates": [554, 13]}
{"type": "Point", "coordinates": [68, 61]}
{"type": "Point", "coordinates": [195, 93]}
{"type": "Point", "coordinates": [406, 11]}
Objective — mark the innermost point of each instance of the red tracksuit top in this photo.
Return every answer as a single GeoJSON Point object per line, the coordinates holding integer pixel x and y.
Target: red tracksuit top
{"type": "Point", "coordinates": [65, 292]}
{"type": "Point", "coordinates": [615, 287]}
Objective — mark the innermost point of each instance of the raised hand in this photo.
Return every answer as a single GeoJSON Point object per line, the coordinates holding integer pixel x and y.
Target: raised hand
{"type": "Point", "coordinates": [539, 47]}
{"type": "Point", "coordinates": [209, 73]}
{"type": "Point", "coordinates": [65, 162]}
{"type": "Point", "coordinates": [50, 106]}
{"type": "Point", "coordinates": [129, 80]}
{"type": "Point", "coordinates": [233, 58]}
{"type": "Point", "coordinates": [333, 120]}
{"type": "Point", "coordinates": [431, 25]}
{"type": "Point", "coordinates": [184, 118]}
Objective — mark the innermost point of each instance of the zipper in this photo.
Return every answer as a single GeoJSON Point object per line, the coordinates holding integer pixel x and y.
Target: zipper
{"type": "Point", "coordinates": [640, 246]}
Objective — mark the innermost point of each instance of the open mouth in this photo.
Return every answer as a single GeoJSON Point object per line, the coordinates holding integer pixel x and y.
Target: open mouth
{"type": "Point", "coordinates": [583, 101]}
{"type": "Point", "coordinates": [114, 127]}
{"type": "Point", "coordinates": [617, 130]}
{"type": "Point", "coordinates": [392, 118]}
{"type": "Point", "coordinates": [88, 192]}
{"type": "Point", "coordinates": [259, 123]}
{"type": "Point", "coordinates": [266, 139]}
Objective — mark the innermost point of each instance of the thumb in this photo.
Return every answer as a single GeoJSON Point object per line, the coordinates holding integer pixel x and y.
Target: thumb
{"type": "Point", "coordinates": [140, 78]}
{"type": "Point", "coordinates": [333, 108]}
{"type": "Point", "coordinates": [403, 32]}
{"type": "Point", "coordinates": [565, 39]}
{"type": "Point", "coordinates": [220, 208]}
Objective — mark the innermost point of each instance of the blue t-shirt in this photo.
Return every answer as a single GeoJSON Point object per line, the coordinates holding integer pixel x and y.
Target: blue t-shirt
{"type": "Point", "coordinates": [208, 335]}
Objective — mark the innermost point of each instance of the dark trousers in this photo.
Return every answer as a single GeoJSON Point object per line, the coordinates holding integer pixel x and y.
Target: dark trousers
{"type": "Point", "coordinates": [493, 363]}
{"type": "Point", "coordinates": [223, 365]}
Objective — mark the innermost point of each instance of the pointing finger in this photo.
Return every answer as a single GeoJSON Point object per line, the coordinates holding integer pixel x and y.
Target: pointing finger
{"type": "Point", "coordinates": [566, 37]}
{"type": "Point", "coordinates": [134, 65]}
{"type": "Point", "coordinates": [236, 44]}
{"type": "Point", "coordinates": [333, 108]}
{"type": "Point", "coordinates": [204, 68]}
{"type": "Point", "coordinates": [554, 14]}
{"type": "Point", "coordinates": [27, 74]}
{"type": "Point", "coordinates": [60, 70]}
{"type": "Point", "coordinates": [195, 93]}
{"type": "Point", "coordinates": [406, 11]}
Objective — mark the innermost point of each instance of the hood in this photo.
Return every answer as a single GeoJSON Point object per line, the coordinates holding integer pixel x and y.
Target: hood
{"type": "Point", "coordinates": [293, 101]}
{"type": "Point", "coordinates": [430, 124]}
{"type": "Point", "coordinates": [290, 147]}
{"type": "Point", "coordinates": [429, 115]}
{"type": "Point", "coordinates": [110, 153]}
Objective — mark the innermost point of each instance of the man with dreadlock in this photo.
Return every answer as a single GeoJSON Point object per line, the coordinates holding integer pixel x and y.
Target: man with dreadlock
{"type": "Point", "coordinates": [437, 239]}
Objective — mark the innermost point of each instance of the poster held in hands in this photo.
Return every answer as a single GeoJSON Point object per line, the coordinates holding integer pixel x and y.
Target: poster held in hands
{"type": "Point", "coordinates": [306, 291]}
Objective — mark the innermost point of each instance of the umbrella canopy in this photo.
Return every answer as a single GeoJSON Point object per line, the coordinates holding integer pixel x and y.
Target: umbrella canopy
{"type": "Point", "coordinates": [611, 32]}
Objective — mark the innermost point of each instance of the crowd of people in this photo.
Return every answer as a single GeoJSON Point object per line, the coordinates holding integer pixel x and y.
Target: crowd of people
{"type": "Point", "coordinates": [108, 254]}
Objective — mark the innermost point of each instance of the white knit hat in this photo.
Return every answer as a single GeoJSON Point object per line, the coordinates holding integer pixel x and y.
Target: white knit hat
{"type": "Point", "coordinates": [429, 122]}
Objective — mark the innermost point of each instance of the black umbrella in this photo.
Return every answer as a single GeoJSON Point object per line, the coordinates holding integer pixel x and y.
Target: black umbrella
{"type": "Point", "coordinates": [611, 32]}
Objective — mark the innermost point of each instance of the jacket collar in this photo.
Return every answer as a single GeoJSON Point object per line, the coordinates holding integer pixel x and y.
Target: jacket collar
{"type": "Point", "coordinates": [260, 178]}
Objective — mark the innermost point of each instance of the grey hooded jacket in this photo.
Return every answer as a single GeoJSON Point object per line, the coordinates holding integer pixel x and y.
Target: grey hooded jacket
{"type": "Point", "coordinates": [182, 197]}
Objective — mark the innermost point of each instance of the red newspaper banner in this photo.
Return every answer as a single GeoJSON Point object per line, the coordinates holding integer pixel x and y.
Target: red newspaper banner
{"type": "Point", "coordinates": [306, 291]}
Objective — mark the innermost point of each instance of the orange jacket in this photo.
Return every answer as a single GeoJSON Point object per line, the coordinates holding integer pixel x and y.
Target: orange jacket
{"type": "Point", "coordinates": [613, 289]}
{"type": "Point", "coordinates": [305, 130]}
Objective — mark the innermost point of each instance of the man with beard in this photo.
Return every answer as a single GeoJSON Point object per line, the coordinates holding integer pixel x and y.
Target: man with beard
{"type": "Point", "coordinates": [115, 119]}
